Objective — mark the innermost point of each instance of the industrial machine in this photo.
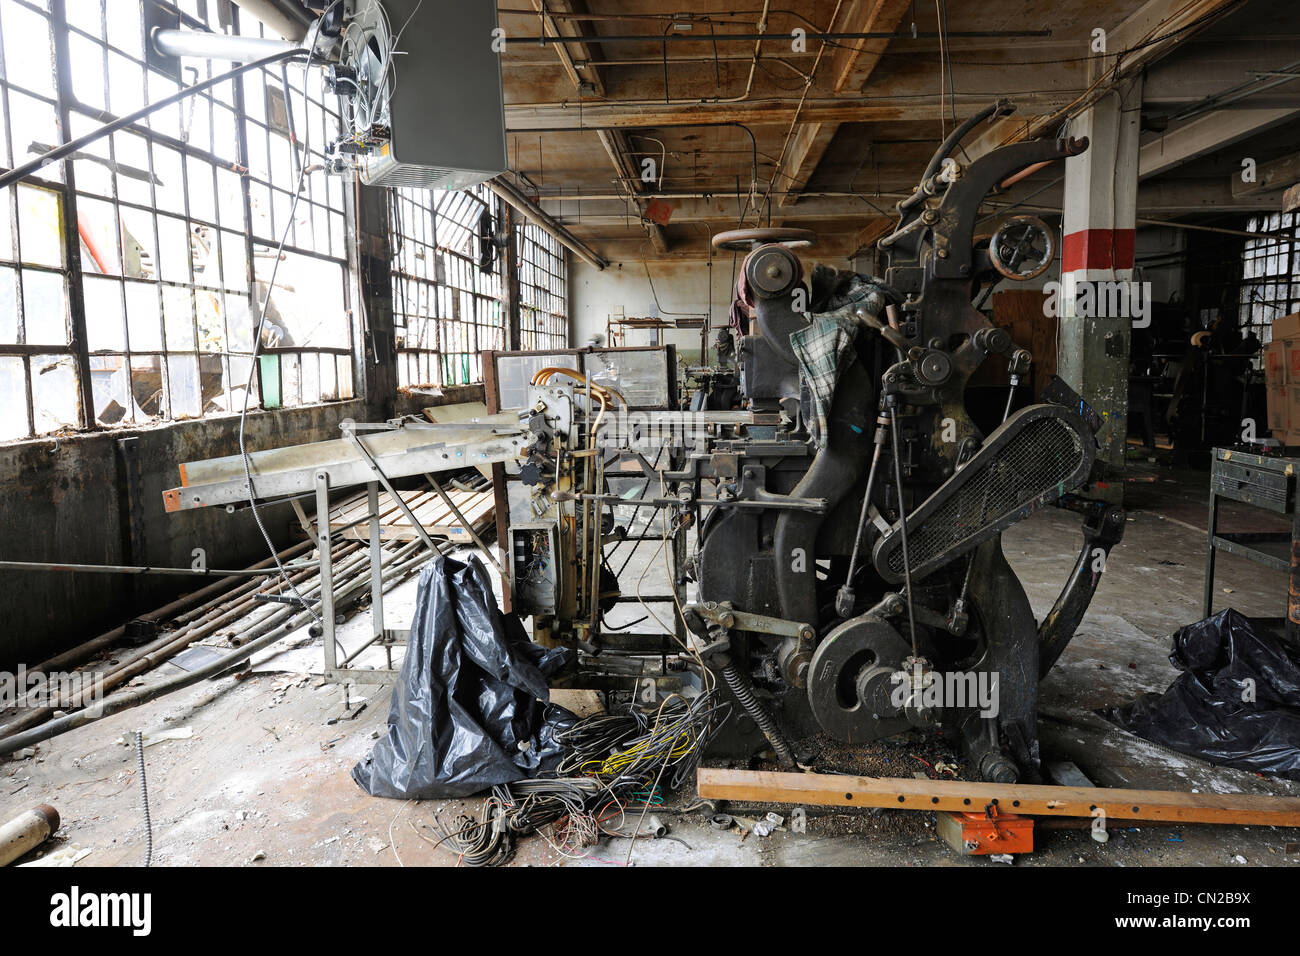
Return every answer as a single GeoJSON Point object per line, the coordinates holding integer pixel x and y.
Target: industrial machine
{"type": "Point", "coordinates": [840, 533]}
{"type": "Point", "coordinates": [830, 536]}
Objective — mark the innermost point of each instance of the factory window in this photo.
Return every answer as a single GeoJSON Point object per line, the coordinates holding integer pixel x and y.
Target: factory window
{"type": "Point", "coordinates": [168, 216]}
{"type": "Point", "coordinates": [1270, 273]}
{"type": "Point", "coordinates": [448, 288]}
{"type": "Point", "coordinates": [39, 374]}
{"type": "Point", "coordinates": [543, 312]}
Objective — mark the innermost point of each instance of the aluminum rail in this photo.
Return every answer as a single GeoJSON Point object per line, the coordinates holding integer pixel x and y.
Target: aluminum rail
{"type": "Point", "coordinates": [398, 452]}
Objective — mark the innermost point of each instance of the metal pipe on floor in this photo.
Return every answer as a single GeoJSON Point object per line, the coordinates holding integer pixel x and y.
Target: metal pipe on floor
{"type": "Point", "coordinates": [209, 594]}
{"type": "Point", "coordinates": [124, 701]}
{"type": "Point", "coordinates": [27, 831]}
{"type": "Point", "coordinates": [151, 655]}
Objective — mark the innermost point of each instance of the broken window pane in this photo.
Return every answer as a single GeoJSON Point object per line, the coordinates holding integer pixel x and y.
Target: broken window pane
{"type": "Point", "coordinates": [138, 260]}
{"type": "Point", "coordinates": [147, 385]}
{"type": "Point", "coordinates": [54, 392]}
{"type": "Point", "coordinates": [108, 385]}
{"type": "Point", "coordinates": [207, 258]}
{"type": "Point", "coordinates": [308, 305]}
{"type": "Point", "coordinates": [238, 383]}
{"type": "Point", "coordinates": [13, 398]}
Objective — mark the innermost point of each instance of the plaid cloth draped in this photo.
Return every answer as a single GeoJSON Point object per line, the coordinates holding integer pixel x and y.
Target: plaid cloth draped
{"type": "Point", "coordinates": [825, 349]}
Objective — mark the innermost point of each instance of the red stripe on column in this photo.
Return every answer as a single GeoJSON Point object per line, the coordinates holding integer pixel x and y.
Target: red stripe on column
{"type": "Point", "coordinates": [1098, 249]}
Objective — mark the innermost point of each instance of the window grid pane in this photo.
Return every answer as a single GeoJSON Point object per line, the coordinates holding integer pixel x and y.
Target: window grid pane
{"type": "Point", "coordinates": [169, 270]}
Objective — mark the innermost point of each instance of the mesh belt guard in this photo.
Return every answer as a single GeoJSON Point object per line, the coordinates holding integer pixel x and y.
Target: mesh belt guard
{"type": "Point", "coordinates": [1034, 458]}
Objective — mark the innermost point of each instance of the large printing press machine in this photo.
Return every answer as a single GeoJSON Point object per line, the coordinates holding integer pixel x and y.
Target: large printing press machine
{"type": "Point", "coordinates": [765, 542]}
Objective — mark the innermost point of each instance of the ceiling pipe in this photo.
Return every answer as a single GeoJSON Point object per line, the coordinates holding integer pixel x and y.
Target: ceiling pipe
{"type": "Point", "coordinates": [782, 37]}
{"type": "Point", "coordinates": [544, 221]}
{"type": "Point", "coordinates": [216, 46]}
{"type": "Point", "coordinates": [722, 193]}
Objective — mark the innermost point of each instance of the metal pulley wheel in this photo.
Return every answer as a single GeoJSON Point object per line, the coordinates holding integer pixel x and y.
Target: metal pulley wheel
{"type": "Point", "coordinates": [1022, 248]}
{"type": "Point", "coordinates": [849, 680]}
{"type": "Point", "coordinates": [772, 270]}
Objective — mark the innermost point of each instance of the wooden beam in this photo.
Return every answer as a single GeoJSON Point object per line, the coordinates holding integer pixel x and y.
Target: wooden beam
{"type": "Point", "coordinates": [870, 234]}
{"type": "Point", "coordinates": [853, 64]}
{"type": "Point", "coordinates": [851, 68]}
{"type": "Point", "coordinates": [1205, 134]}
{"type": "Point", "coordinates": [1291, 199]}
{"type": "Point", "coordinates": [534, 117]}
{"type": "Point", "coordinates": [618, 148]}
{"type": "Point", "coordinates": [1170, 19]}
{"type": "Point", "coordinates": [1269, 177]}
{"type": "Point", "coordinates": [1157, 18]}
{"type": "Point", "coordinates": [615, 142]}
{"type": "Point", "coordinates": [826, 790]}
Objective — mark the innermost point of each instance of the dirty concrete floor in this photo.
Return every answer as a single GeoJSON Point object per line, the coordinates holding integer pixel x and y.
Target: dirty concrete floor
{"type": "Point", "coordinates": [260, 772]}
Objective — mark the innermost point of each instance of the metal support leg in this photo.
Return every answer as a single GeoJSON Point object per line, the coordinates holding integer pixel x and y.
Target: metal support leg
{"type": "Point", "coordinates": [1207, 604]}
{"type": "Point", "coordinates": [326, 568]}
{"type": "Point", "coordinates": [376, 567]}
{"type": "Point", "coordinates": [469, 528]}
{"type": "Point", "coordinates": [1293, 586]}
{"type": "Point", "coordinates": [398, 500]}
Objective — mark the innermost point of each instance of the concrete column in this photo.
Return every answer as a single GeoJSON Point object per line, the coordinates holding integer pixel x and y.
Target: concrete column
{"type": "Point", "coordinates": [1096, 305]}
{"type": "Point", "coordinates": [378, 346]}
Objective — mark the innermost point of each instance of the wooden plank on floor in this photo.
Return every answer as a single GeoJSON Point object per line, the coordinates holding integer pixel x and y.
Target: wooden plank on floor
{"type": "Point", "coordinates": [478, 508]}
{"type": "Point", "coordinates": [905, 794]}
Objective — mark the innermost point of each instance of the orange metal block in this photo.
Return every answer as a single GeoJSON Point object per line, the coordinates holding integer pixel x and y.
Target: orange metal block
{"type": "Point", "coordinates": [975, 834]}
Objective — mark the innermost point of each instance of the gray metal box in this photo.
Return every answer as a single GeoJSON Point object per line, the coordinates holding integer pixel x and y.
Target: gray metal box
{"type": "Point", "coordinates": [447, 111]}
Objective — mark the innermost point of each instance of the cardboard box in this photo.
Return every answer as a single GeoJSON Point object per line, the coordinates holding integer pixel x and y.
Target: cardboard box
{"type": "Point", "coordinates": [1293, 415]}
{"type": "Point", "coordinates": [1275, 364]}
{"type": "Point", "coordinates": [1286, 327]}
{"type": "Point", "coordinates": [1278, 420]}
{"type": "Point", "coordinates": [1292, 366]}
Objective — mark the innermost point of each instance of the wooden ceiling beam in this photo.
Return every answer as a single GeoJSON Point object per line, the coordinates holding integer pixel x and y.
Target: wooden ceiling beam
{"type": "Point", "coordinates": [614, 142]}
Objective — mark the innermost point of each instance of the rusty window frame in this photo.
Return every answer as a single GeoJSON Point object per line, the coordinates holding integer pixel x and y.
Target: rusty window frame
{"type": "Point", "coordinates": [326, 207]}
{"type": "Point", "coordinates": [543, 290]}
{"type": "Point", "coordinates": [1270, 274]}
{"type": "Point", "coordinates": [34, 360]}
{"type": "Point", "coordinates": [446, 310]}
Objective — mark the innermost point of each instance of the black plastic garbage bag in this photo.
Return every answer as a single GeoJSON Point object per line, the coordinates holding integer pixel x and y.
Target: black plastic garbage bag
{"type": "Point", "coordinates": [470, 709]}
{"type": "Point", "coordinates": [1236, 703]}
